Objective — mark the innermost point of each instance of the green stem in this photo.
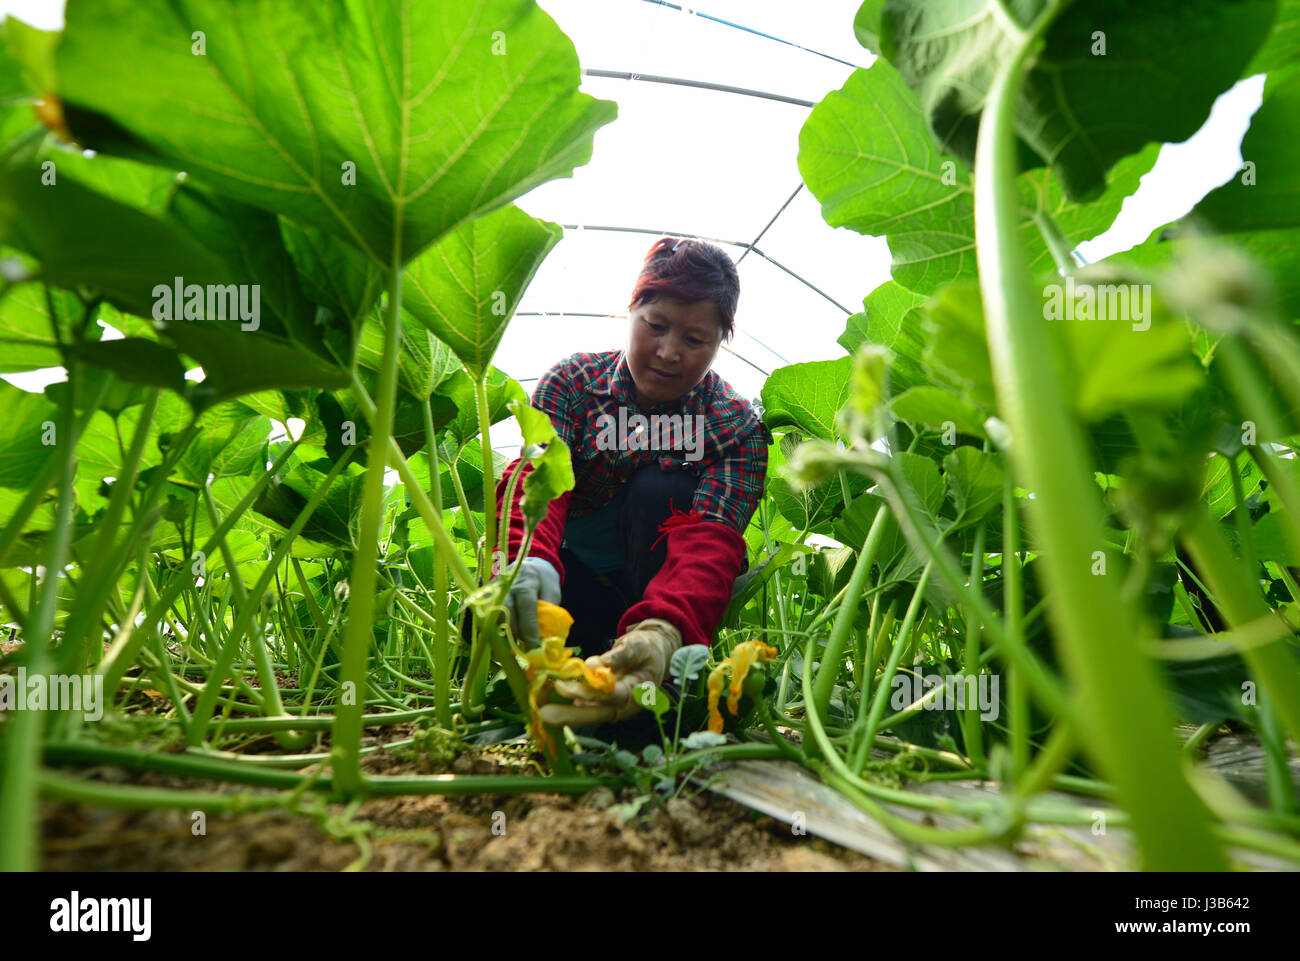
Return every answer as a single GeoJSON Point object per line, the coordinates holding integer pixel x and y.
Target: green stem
{"type": "Point", "coordinates": [443, 543]}
{"type": "Point", "coordinates": [441, 666]}
{"type": "Point", "coordinates": [872, 722]}
{"type": "Point", "coordinates": [22, 743]}
{"type": "Point", "coordinates": [1281, 789]}
{"type": "Point", "coordinates": [972, 733]}
{"type": "Point", "coordinates": [123, 655]}
{"type": "Point", "coordinates": [103, 574]}
{"type": "Point", "coordinates": [466, 514]}
{"type": "Point", "coordinates": [1236, 592]}
{"type": "Point", "coordinates": [186, 765]}
{"type": "Point", "coordinates": [1062, 253]}
{"type": "Point", "coordinates": [249, 610]}
{"type": "Point", "coordinates": [1013, 612]}
{"type": "Point", "coordinates": [358, 633]}
{"type": "Point", "coordinates": [45, 476]}
{"type": "Point", "coordinates": [829, 669]}
{"type": "Point", "coordinates": [1128, 713]}
{"type": "Point", "coordinates": [489, 472]}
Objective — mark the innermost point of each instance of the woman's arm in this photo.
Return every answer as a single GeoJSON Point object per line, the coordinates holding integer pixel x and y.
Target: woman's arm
{"type": "Point", "coordinates": [694, 586]}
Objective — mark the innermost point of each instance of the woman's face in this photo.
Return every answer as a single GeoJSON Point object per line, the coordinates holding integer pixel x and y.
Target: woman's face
{"type": "Point", "coordinates": [671, 346]}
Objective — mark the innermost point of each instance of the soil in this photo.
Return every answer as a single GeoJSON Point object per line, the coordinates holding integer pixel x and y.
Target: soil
{"type": "Point", "coordinates": [541, 832]}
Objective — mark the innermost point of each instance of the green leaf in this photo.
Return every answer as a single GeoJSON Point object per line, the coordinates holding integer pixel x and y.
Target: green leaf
{"type": "Point", "coordinates": [333, 274]}
{"type": "Point", "coordinates": [1122, 362]}
{"type": "Point", "coordinates": [688, 661]}
{"type": "Point", "coordinates": [1263, 196]}
{"type": "Point", "coordinates": [424, 363]}
{"type": "Point", "coordinates": [26, 334]}
{"type": "Point", "coordinates": [1165, 62]}
{"type": "Point", "coordinates": [552, 472]}
{"type": "Point", "coordinates": [1283, 44]}
{"type": "Point", "coordinates": [248, 242]}
{"type": "Point", "coordinates": [1271, 542]}
{"type": "Point", "coordinates": [814, 508]}
{"type": "Point", "coordinates": [974, 479]}
{"type": "Point", "coordinates": [144, 187]}
{"type": "Point", "coordinates": [923, 476]}
{"type": "Point", "coordinates": [866, 155]}
{"type": "Point", "coordinates": [28, 437]}
{"type": "Point", "coordinates": [702, 740]}
{"type": "Point", "coordinates": [866, 24]}
{"type": "Point", "coordinates": [334, 522]}
{"type": "Point", "coordinates": [31, 50]}
{"type": "Point", "coordinates": [830, 570]}
{"type": "Point", "coordinates": [102, 448]}
{"type": "Point", "coordinates": [13, 85]}
{"type": "Point", "coordinates": [651, 697]}
{"type": "Point", "coordinates": [466, 287]}
{"type": "Point", "coordinates": [936, 408]}
{"type": "Point", "coordinates": [807, 396]}
{"type": "Point", "coordinates": [1216, 490]}
{"type": "Point", "coordinates": [138, 361]}
{"type": "Point", "coordinates": [882, 320]}
{"type": "Point", "coordinates": [231, 441]}
{"type": "Point", "coordinates": [502, 390]}
{"type": "Point", "coordinates": [956, 351]}
{"type": "Point", "coordinates": [386, 126]}
{"type": "Point", "coordinates": [83, 238]}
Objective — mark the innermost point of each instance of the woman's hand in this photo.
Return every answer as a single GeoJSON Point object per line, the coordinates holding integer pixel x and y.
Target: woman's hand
{"type": "Point", "coordinates": [536, 581]}
{"type": "Point", "coordinates": [639, 657]}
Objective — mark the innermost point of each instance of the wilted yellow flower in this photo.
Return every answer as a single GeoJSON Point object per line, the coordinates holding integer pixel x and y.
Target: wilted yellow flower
{"type": "Point", "coordinates": [742, 658]}
{"type": "Point", "coordinates": [553, 620]}
{"type": "Point", "coordinates": [553, 661]}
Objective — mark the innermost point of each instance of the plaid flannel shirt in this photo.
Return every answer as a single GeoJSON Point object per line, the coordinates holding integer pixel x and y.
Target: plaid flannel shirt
{"type": "Point", "coordinates": [732, 453]}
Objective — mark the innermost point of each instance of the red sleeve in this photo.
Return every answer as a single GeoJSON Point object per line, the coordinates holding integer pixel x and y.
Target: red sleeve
{"type": "Point", "coordinates": [549, 534]}
{"type": "Point", "coordinates": [693, 588]}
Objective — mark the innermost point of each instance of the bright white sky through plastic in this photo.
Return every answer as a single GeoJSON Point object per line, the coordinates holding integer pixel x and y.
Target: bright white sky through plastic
{"type": "Point", "coordinates": [682, 160]}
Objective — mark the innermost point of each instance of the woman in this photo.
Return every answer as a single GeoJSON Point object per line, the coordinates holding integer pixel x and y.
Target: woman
{"type": "Point", "coordinates": [668, 463]}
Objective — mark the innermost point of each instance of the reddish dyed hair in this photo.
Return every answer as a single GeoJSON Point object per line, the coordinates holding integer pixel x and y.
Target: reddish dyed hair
{"type": "Point", "coordinates": [689, 271]}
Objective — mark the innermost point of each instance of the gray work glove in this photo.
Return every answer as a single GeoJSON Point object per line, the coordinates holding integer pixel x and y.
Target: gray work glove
{"type": "Point", "coordinates": [536, 581]}
{"type": "Point", "coordinates": [638, 657]}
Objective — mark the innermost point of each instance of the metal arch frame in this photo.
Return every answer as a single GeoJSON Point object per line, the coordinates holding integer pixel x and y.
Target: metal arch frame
{"type": "Point", "coordinates": [747, 246]}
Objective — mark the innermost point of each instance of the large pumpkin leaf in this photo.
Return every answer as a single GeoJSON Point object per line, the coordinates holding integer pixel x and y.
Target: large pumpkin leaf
{"type": "Point", "coordinates": [1113, 76]}
{"type": "Point", "coordinates": [1283, 45]}
{"type": "Point", "coordinates": [27, 330]}
{"type": "Point", "coordinates": [1264, 195]}
{"type": "Point", "coordinates": [813, 508]}
{"type": "Point", "coordinates": [423, 364]}
{"type": "Point", "coordinates": [384, 124]}
{"type": "Point", "coordinates": [974, 479]}
{"type": "Point", "coordinates": [83, 238]}
{"type": "Point", "coordinates": [28, 437]}
{"type": "Point", "coordinates": [867, 156]}
{"type": "Point", "coordinates": [807, 396]}
{"type": "Point", "coordinates": [889, 318]}
{"type": "Point", "coordinates": [467, 286]}
{"type": "Point", "coordinates": [502, 390]}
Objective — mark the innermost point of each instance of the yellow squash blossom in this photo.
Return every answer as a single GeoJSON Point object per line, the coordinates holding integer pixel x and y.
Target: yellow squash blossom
{"type": "Point", "coordinates": [742, 658]}
{"type": "Point", "coordinates": [553, 661]}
